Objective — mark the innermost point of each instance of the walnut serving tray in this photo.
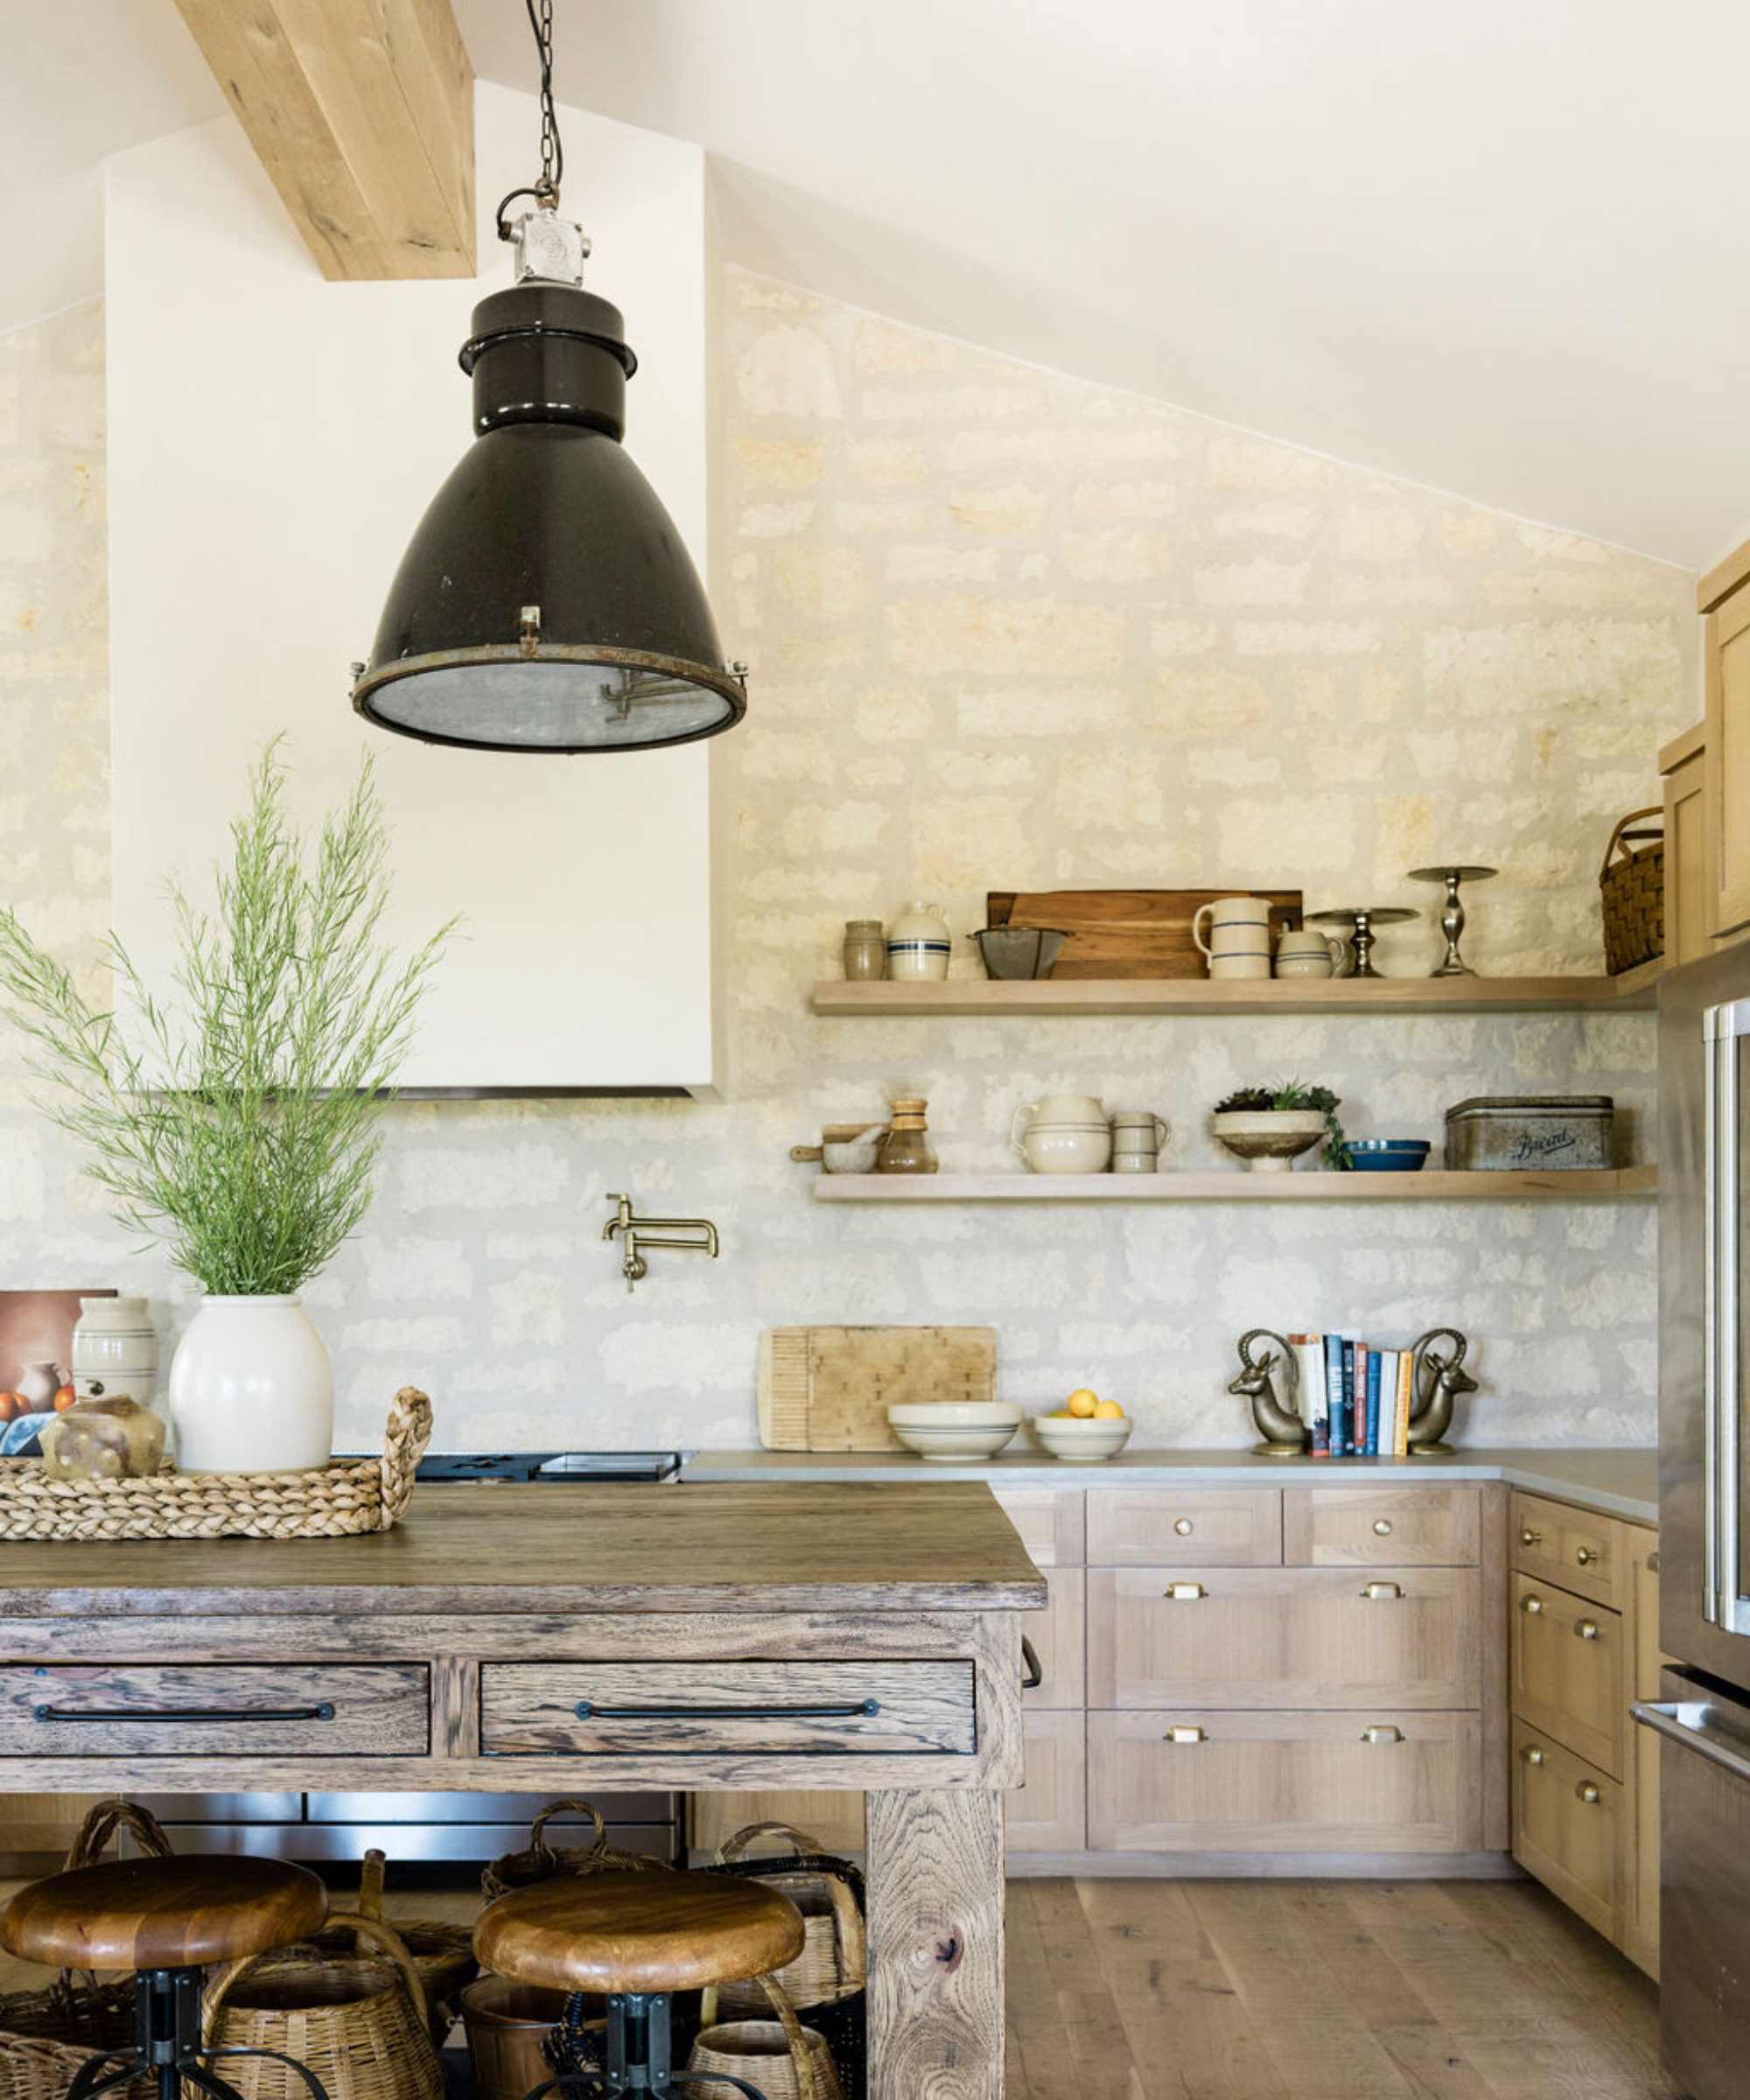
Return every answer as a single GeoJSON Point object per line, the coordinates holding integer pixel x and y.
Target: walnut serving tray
{"type": "Point", "coordinates": [331, 1501]}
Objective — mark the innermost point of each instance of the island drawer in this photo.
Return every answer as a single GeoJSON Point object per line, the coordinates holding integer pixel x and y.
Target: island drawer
{"type": "Point", "coordinates": [1184, 1527]}
{"type": "Point", "coordinates": [1571, 1675]}
{"type": "Point", "coordinates": [710, 1706]}
{"type": "Point", "coordinates": [1195, 1781]}
{"type": "Point", "coordinates": [1381, 1526]}
{"type": "Point", "coordinates": [1577, 1548]}
{"type": "Point", "coordinates": [208, 1709]}
{"type": "Point", "coordinates": [1262, 1637]}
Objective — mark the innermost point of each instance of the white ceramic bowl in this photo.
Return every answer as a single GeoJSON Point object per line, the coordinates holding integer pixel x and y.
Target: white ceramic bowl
{"type": "Point", "coordinates": [962, 1429]}
{"type": "Point", "coordinates": [1084, 1438]}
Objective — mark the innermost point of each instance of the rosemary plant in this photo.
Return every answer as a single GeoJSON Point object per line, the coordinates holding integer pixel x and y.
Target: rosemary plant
{"type": "Point", "coordinates": [237, 1122]}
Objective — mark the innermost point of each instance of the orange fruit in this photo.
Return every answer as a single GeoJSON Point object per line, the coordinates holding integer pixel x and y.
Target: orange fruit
{"type": "Point", "coordinates": [64, 1399]}
{"type": "Point", "coordinates": [11, 1406]}
{"type": "Point", "coordinates": [1081, 1403]}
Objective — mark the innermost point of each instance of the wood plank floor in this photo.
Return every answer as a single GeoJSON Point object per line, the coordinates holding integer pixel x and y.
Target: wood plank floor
{"type": "Point", "coordinates": [1320, 1990]}
{"type": "Point", "coordinates": [1244, 1989]}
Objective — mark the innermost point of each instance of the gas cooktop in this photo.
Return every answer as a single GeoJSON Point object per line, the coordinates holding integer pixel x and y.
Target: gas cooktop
{"type": "Point", "coordinates": [446, 1468]}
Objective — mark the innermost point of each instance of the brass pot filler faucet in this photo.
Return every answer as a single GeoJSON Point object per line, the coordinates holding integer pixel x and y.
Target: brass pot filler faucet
{"type": "Point", "coordinates": [635, 1234]}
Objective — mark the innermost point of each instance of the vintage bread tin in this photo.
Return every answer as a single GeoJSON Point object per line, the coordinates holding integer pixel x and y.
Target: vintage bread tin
{"type": "Point", "coordinates": [1529, 1130]}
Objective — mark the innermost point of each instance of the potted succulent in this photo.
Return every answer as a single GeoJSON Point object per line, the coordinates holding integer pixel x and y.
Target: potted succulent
{"type": "Point", "coordinates": [1269, 1127]}
{"type": "Point", "coordinates": [236, 1119]}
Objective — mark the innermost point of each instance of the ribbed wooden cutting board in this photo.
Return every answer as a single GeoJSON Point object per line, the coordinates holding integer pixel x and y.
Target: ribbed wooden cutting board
{"type": "Point", "coordinates": [1127, 933]}
{"type": "Point", "coordinates": [828, 1388]}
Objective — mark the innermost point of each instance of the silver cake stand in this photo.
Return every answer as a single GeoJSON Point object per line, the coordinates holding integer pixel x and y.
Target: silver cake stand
{"type": "Point", "coordinates": [1452, 913]}
{"type": "Point", "coordinates": [1361, 919]}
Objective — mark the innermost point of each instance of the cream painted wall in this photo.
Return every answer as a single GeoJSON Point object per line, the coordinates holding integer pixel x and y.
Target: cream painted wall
{"type": "Point", "coordinates": [1004, 628]}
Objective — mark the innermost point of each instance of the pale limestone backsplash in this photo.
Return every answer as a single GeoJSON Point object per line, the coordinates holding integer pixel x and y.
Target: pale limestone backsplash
{"type": "Point", "coordinates": [1005, 629]}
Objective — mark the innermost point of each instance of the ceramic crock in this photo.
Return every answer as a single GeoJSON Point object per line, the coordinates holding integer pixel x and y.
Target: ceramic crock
{"type": "Point", "coordinates": [918, 944]}
{"type": "Point", "coordinates": [114, 1350]}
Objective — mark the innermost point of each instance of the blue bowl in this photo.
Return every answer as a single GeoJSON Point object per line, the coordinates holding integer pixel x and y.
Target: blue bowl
{"type": "Point", "coordinates": [1387, 1155]}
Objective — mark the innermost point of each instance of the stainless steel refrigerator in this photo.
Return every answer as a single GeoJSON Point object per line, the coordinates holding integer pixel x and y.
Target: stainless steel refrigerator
{"type": "Point", "coordinates": [1702, 1715]}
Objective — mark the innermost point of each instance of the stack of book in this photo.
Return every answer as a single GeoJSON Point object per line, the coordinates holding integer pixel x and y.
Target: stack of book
{"type": "Point", "coordinates": [1355, 1397]}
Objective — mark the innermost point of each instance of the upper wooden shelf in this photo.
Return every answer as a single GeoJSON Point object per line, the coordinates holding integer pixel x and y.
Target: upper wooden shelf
{"type": "Point", "coordinates": [1224, 1184]}
{"type": "Point", "coordinates": [1633, 991]}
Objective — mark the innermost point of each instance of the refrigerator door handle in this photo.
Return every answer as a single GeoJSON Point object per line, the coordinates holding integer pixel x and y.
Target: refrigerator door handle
{"type": "Point", "coordinates": [1722, 1027]}
{"type": "Point", "coordinates": [1664, 1716]}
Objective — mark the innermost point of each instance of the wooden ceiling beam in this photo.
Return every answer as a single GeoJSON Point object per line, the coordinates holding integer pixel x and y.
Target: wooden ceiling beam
{"type": "Point", "coordinates": [362, 113]}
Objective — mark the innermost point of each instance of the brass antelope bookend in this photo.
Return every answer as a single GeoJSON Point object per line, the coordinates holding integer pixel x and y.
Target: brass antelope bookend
{"type": "Point", "coordinates": [1279, 1422]}
{"type": "Point", "coordinates": [1439, 1381]}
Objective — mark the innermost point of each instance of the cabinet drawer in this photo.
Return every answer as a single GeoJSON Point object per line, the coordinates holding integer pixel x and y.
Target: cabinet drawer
{"type": "Point", "coordinates": [1047, 1813]}
{"type": "Point", "coordinates": [706, 1708]}
{"type": "Point", "coordinates": [214, 1709]}
{"type": "Point", "coordinates": [1381, 1781]}
{"type": "Point", "coordinates": [1569, 1828]}
{"type": "Point", "coordinates": [1050, 1524]}
{"type": "Point", "coordinates": [1190, 1527]}
{"type": "Point", "coordinates": [1569, 1673]}
{"type": "Point", "coordinates": [1056, 1634]}
{"type": "Point", "coordinates": [1276, 1637]}
{"type": "Point", "coordinates": [1574, 1548]}
{"type": "Point", "coordinates": [1381, 1526]}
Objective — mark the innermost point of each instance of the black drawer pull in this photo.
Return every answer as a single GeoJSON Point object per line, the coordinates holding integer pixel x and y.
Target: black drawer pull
{"type": "Point", "coordinates": [586, 1710]}
{"type": "Point", "coordinates": [112, 1714]}
{"type": "Point", "coordinates": [1034, 1674]}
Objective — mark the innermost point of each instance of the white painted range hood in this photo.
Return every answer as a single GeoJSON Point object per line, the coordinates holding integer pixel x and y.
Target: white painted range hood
{"type": "Point", "coordinates": [273, 439]}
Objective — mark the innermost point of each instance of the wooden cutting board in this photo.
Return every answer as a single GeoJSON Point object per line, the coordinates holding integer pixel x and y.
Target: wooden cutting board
{"type": "Point", "coordinates": [1128, 932]}
{"type": "Point", "coordinates": [827, 1388]}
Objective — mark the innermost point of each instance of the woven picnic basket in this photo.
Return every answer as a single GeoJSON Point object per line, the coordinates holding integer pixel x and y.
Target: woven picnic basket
{"type": "Point", "coordinates": [350, 1497]}
{"type": "Point", "coordinates": [1631, 892]}
{"type": "Point", "coordinates": [784, 2059]}
{"type": "Point", "coordinates": [540, 1861]}
{"type": "Point", "coordinates": [360, 2022]}
{"type": "Point", "coordinates": [829, 1893]}
{"type": "Point", "coordinates": [45, 2034]}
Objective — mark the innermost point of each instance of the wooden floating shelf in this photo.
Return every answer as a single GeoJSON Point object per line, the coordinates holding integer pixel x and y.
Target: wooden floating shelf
{"type": "Point", "coordinates": [1236, 1186]}
{"type": "Point", "coordinates": [968, 997]}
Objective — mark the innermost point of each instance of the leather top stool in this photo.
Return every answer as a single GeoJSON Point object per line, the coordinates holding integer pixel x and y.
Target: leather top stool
{"type": "Point", "coordinates": [166, 1919]}
{"type": "Point", "coordinates": [638, 1937]}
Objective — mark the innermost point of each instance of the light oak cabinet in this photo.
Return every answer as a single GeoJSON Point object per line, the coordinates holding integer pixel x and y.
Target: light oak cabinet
{"type": "Point", "coordinates": [1723, 827]}
{"type": "Point", "coordinates": [1583, 1645]}
{"type": "Point", "coordinates": [1689, 877]}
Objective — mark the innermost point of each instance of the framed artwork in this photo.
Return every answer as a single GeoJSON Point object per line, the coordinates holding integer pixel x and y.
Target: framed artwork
{"type": "Point", "coordinates": [36, 1346]}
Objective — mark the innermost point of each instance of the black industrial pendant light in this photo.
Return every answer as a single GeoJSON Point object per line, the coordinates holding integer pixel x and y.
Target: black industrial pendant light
{"type": "Point", "coordinates": [546, 602]}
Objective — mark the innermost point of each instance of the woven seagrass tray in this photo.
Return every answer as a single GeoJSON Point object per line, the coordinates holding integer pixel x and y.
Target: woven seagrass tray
{"type": "Point", "coordinates": [331, 1501]}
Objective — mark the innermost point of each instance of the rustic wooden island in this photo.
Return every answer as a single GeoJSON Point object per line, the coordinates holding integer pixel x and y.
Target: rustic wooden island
{"type": "Point", "coordinates": [525, 1637]}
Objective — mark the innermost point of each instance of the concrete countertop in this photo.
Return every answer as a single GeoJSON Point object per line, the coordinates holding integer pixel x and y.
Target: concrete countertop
{"type": "Point", "coordinates": [1622, 1481]}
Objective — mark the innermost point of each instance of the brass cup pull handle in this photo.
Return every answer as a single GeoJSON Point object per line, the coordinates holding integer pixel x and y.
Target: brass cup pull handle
{"type": "Point", "coordinates": [1586, 1628]}
{"type": "Point", "coordinates": [1534, 1605]}
{"type": "Point", "coordinates": [1383, 1734]}
{"type": "Point", "coordinates": [1586, 1555]}
{"type": "Point", "coordinates": [1653, 1564]}
{"type": "Point", "coordinates": [1184, 1734]}
{"type": "Point", "coordinates": [1375, 1591]}
{"type": "Point", "coordinates": [1184, 1593]}
{"type": "Point", "coordinates": [1182, 1526]}
{"type": "Point", "coordinates": [1534, 1755]}
{"type": "Point", "coordinates": [1587, 1791]}
{"type": "Point", "coordinates": [1527, 1537]}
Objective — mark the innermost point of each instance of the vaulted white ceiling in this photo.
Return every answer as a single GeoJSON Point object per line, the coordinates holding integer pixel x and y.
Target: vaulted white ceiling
{"type": "Point", "coordinates": [1497, 245]}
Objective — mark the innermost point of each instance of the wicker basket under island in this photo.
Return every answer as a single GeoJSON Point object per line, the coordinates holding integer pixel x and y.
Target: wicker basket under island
{"type": "Point", "coordinates": [339, 1501]}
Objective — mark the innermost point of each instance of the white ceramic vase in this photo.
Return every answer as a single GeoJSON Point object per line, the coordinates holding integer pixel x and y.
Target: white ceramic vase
{"type": "Point", "coordinates": [251, 1389]}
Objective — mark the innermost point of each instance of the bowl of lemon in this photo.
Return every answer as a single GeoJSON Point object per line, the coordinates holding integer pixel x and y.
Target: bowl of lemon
{"type": "Point", "coordinates": [1084, 1428]}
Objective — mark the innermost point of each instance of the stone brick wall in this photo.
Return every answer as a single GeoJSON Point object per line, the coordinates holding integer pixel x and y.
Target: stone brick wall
{"type": "Point", "coordinates": [1005, 629]}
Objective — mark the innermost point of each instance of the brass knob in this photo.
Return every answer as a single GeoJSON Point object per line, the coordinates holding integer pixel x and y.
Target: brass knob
{"type": "Point", "coordinates": [1586, 1555]}
{"type": "Point", "coordinates": [1185, 1735]}
{"type": "Point", "coordinates": [1534, 1755]}
{"type": "Point", "coordinates": [1587, 1792]}
{"type": "Point", "coordinates": [1386, 1735]}
{"type": "Point", "coordinates": [1586, 1628]}
{"type": "Point", "coordinates": [1534, 1605]}
{"type": "Point", "coordinates": [1184, 1593]}
{"type": "Point", "coordinates": [1382, 1526]}
{"type": "Point", "coordinates": [1182, 1525]}
{"type": "Point", "coordinates": [1530, 1539]}
{"type": "Point", "coordinates": [1375, 1589]}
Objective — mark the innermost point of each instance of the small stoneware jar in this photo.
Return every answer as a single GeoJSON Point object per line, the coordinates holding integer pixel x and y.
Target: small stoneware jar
{"type": "Point", "coordinates": [114, 1350]}
{"type": "Point", "coordinates": [865, 951]}
{"type": "Point", "coordinates": [906, 1148]}
{"type": "Point", "coordinates": [1138, 1135]}
{"type": "Point", "coordinates": [918, 944]}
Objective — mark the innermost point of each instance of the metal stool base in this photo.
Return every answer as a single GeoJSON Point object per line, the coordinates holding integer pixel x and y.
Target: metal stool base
{"type": "Point", "coordinates": [638, 2059]}
{"type": "Point", "coordinates": [167, 2047]}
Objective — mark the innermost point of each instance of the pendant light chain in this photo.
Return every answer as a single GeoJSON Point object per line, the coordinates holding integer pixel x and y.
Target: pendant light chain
{"type": "Point", "coordinates": [546, 190]}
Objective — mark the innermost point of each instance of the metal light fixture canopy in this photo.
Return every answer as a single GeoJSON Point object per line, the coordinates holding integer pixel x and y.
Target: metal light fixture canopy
{"type": "Point", "coordinates": [546, 602]}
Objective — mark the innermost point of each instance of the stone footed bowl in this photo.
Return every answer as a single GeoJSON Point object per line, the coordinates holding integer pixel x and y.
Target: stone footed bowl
{"type": "Point", "coordinates": [1269, 1140]}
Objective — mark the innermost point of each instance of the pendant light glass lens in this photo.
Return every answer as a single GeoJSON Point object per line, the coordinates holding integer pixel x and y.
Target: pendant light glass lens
{"type": "Point", "coordinates": [549, 704]}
